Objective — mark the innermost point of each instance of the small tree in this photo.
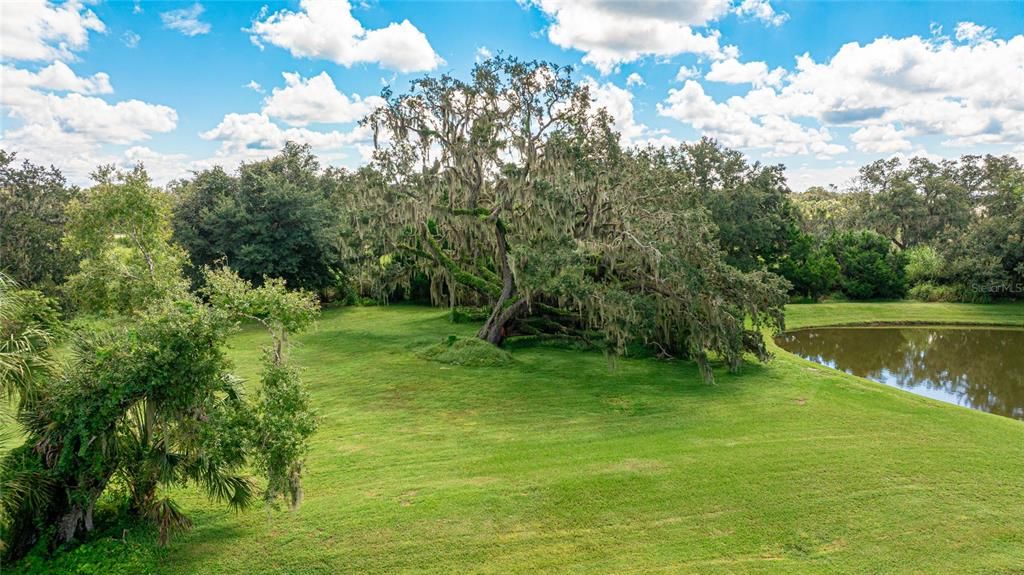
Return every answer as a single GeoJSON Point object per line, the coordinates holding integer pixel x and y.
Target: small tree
{"type": "Point", "coordinates": [283, 416]}
{"type": "Point", "coordinates": [811, 268]}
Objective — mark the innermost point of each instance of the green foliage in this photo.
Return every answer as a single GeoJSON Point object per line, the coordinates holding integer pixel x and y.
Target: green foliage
{"type": "Point", "coordinates": [284, 422]}
{"type": "Point", "coordinates": [468, 352]}
{"type": "Point", "coordinates": [823, 212]}
{"type": "Point", "coordinates": [870, 267]}
{"type": "Point", "coordinates": [916, 203]}
{"type": "Point", "coordinates": [961, 222]}
{"type": "Point", "coordinates": [271, 304]}
{"type": "Point", "coordinates": [924, 264]}
{"type": "Point", "coordinates": [33, 206]}
{"type": "Point", "coordinates": [811, 268]}
{"type": "Point", "coordinates": [136, 404]}
{"type": "Point", "coordinates": [120, 228]}
{"type": "Point", "coordinates": [929, 292]}
{"type": "Point", "coordinates": [283, 419]}
{"type": "Point", "coordinates": [749, 204]}
{"type": "Point", "coordinates": [464, 314]}
{"type": "Point", "coordinates": [278, 217]}
{"type": "Point", "coordinates": [28, 324]}
{"type": "Point", "coordinates": [529, 205]}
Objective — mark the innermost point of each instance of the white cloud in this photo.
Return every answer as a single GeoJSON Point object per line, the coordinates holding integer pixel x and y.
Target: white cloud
{"type": "Point", "coordinates": [611, 33]}
{"type": "Point", "coordinates": [482, 53]}
{"type": "Point", "coordinates": [619, 104]}
{"type": "Point", "coordinates": [130, 39]}
{"type": "Point", "coordinates": [57, 76]}
{"type": "Point", "coordinates": [635, 79]}
{"type": "Point", "coordinates": [75, 131]}
{"type": "Point", "coordinates": [254, 86]}
{"type": "Point", "coordinates": [880, 139]}
{"type": "Point", "coordinates": [761, 10]}
{"type": "Point", "coordinates": [971, 32]}
{"type": "Point", "coordinates": [186, 20]}
{"type": "Point", "coordinates": [967, 91]}
{"type": "Point", "coordinates": [802, 177]}
{"type": "Point", "coordinates": [776, 134]}
{"type": "Point", "coordinates": [247, 137]}
{"type": "Point", "coordinates": [161, 167]}
{"type": "Point", "coordinates": [316, 100]}
{"type": "Point", "coordinates": [326, 29]}
{"type": "Point", "coordinates": [121, 123]}
{"type": "Point", "coordinates": [39, 30]}
{"type": "Point", "coordinates": [733, 71]}
{"type": "Point", "coordinates": [686, 73]}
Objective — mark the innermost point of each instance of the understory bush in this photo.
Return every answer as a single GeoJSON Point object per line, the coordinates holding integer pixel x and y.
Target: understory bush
{"type": "Point", "coordinates": [870, 267]}
{"type": "Point", "coordinates": [929, 292]}
{"type": "Point", "coordinates": [469, 352]}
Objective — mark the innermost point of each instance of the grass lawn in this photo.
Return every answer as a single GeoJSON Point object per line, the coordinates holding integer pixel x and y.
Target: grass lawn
{"type": "Point", "coordinates": [559, 464]}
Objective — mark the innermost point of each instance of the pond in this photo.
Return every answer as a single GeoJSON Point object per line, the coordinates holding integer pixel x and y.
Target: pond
{"type": "Point", "coordinates": [980, 368]}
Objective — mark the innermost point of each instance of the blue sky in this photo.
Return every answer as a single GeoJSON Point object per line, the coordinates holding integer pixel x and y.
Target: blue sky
{"type": "Point", "coordinates": [822, 87]}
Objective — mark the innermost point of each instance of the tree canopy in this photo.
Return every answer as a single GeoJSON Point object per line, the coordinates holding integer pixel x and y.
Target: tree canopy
{"type": "Point", "coordinates": [33, 213]}
{"type": "Point", "coordinates": [511, 189]}
{"type": "Point", "coordinates": [274, 218]}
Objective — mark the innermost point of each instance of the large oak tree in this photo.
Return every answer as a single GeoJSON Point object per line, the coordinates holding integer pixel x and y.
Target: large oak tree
{"type": "Point", "coordinates": [511, 189]}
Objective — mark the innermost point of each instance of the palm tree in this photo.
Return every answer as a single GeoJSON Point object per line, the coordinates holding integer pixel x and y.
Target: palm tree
{"type": "Point", "coordinates": [24, 344]}
{"type": "Point", "coordinates": [24, 361]}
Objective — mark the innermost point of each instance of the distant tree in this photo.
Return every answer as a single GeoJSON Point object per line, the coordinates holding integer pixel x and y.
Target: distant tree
{"type": "Point", "coordinates": [33, 204]}
{"type": "Point", "coordinates": [120, 228]}
{"type": "Point", "coordinates": [988, 260]}
{"type": "Point", "coordinates": [917, 203]}
{"type": "Point", "coordinates": [810, 267]}
{"type": "Point", "coordinates": [275, 218]}
{"type": "Point", "coordinates": [870, 266]}
{"type": "Point", "coordinates": [750, 204]}
{"type": "Point", "coordinates": [892, 206]}
{"type": "Point", "coordinates": [824, 212]}
{"type": "Point", "coordinates": [509, 188]}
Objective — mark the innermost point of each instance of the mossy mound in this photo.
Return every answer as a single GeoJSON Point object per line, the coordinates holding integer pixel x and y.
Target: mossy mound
{"type": "Point", "coordinates": [469, 352]}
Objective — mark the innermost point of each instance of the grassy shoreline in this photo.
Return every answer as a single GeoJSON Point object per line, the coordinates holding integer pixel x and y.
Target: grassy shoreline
{"type": "Point", "coordinates": [558, 464]}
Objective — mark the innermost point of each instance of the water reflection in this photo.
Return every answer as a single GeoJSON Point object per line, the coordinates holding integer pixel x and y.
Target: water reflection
{"type": "Point", "coordinates": [979, 368]}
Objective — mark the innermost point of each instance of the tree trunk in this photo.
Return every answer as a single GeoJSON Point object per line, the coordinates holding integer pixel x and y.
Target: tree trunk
{"type": "Point", "coordinates": [504, 310]}
{"type": "Point", "coordinates": [87, 520]}
{"type": "Point", "coordinates": [496, 328]}
{"type": "Point", "coordinates": [67, 526]}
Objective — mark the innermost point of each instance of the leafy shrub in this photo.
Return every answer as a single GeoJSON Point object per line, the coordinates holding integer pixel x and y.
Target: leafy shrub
{"type": "Point", "coordinates": [469, 352]}
{"type": "Point", "coordinates": [870, 267]}
{"type": "Point", "coordinates": [929, 292]}
{"type": "Point", "coordinates": [812, 270]}
{"type": "Point", "coordinates": [924, 264]}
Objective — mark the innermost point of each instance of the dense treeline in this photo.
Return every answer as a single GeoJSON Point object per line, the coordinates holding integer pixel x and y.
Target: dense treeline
{"type": "Point", "coordinates": [956, 227]}
{"type": "Point", "coordinates": [507, 192]}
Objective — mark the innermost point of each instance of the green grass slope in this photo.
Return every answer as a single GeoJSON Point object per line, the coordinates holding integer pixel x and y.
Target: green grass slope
{"type": "Point", "coordinates": [556, 463]}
